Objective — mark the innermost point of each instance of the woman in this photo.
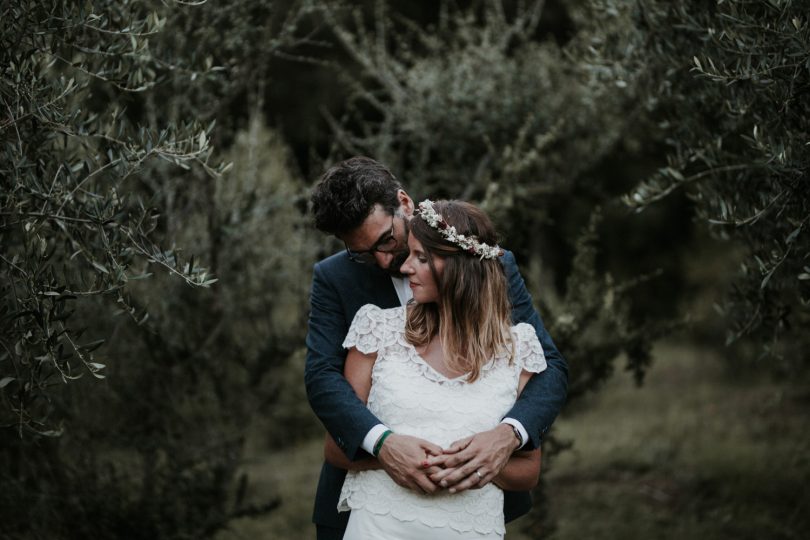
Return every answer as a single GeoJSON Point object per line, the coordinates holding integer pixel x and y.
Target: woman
{"type": "Point", "coordinates": [444, 367]}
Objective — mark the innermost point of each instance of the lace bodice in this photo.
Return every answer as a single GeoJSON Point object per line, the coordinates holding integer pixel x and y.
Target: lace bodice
{"type": "Point", "coordinates": [412, 398]}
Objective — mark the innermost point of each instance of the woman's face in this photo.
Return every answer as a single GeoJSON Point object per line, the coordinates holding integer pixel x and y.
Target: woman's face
{"type": "Point", "coordinates": [416, 267]}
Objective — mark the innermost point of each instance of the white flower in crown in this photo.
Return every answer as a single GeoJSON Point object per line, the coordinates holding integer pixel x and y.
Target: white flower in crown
{"type": "Point", "coordinates": [469, 243]}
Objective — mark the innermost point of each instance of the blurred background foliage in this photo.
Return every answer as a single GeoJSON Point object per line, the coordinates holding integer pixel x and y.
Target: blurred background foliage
{"type": "Point", "coordinates": [645, 160]}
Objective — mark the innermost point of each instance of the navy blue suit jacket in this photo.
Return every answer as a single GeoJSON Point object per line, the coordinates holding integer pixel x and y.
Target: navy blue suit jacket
{"type": "Point", "coordinates": [340, 288]}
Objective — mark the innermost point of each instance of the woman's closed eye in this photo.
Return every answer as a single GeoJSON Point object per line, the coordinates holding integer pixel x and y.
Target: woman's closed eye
{"type": "Point", "coordinates": [418, 255]}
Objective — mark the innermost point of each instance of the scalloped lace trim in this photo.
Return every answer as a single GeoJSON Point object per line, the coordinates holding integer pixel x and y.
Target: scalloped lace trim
{"type": "Point", "coordinates": [470, 511]}
{"type": "Point", "coordinates": [529, 355]}
{"type": "Point", "coordinates": [374, 329]}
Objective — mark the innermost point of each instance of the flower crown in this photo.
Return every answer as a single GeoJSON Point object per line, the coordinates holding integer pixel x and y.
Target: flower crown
{"type": "Point", "coordinates": [468, 243]}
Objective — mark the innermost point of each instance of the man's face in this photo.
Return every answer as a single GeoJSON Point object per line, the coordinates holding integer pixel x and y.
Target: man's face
{"type": "Point", "coordinates": [382, 239]}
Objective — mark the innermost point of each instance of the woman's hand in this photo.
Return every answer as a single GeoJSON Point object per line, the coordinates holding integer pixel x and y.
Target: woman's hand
{"type": "Point", "coordinates": [473, 462]}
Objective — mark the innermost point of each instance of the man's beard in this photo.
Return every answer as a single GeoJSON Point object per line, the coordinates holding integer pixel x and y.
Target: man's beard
{"type": "Point", "coordinates": [400, 256]}
{"type": "Point", "coordinates": [396, 264]}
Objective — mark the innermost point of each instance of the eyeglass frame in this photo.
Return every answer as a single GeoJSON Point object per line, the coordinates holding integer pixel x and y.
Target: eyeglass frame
{"type": "Point", "coordinates": [366, 256]}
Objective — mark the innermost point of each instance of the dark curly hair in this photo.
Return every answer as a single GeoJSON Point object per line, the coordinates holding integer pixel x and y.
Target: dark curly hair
{"type": "Point", "coordinates": [347, 193]}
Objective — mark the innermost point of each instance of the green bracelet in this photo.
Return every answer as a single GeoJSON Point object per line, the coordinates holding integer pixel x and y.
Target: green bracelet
{"type": "Point", "coordinates": [380, 441]}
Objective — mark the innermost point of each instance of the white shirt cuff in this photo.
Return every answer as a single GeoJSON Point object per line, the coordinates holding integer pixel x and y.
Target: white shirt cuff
{"type": "Point", "coordinates": [524, 435]}
{"type": "Point", "coordinates": [371, 438]}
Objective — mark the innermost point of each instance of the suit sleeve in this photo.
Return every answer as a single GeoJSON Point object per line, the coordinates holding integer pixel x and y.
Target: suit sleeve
{"type": "Point", "coordinates": [545, 393]}
{"type": "Point", "coordinates": [330, 395]}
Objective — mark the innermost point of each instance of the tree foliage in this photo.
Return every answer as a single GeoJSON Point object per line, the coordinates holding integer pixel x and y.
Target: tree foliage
{"type": "Point", "coordinates": [109, 114]}
{"type": "Point", "coordinates": [70, 228]}
{"type": "Point", "coordinates": [479, 103]}
{"type": "Point", "coordinates": [728, 85]}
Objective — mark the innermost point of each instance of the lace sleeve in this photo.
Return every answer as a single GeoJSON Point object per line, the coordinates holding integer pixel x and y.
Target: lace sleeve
{"type": "Point", "coordinates": [529, 353]}
{"type": "Point", "coordinates": [368, 331]}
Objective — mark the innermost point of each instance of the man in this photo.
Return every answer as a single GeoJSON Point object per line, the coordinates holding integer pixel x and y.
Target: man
{"type": "Point", "coordinates": [361, 203]}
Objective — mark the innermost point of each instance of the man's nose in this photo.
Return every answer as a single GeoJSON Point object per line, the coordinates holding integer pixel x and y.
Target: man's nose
{"type": "Point", "coordinates": [383, 259]}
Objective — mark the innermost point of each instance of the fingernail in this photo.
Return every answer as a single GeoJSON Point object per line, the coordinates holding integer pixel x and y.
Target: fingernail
{"type": "Point", "coordinates": [452, 490]}
{"type": "Point", "coordinates": [444, 484]}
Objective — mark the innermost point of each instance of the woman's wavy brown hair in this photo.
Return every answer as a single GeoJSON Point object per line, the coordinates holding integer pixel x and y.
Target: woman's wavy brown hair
{"type": "Point", "coordinates": [472, 316]}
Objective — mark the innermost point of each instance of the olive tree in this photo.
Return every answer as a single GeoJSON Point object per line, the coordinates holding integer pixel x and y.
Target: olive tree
{"type": "Point", "coordinates": [727, 85]}
{"type": "Point", "coordinates": [112, 194]}
{"type": "Point", "coordinates": [70, 228]}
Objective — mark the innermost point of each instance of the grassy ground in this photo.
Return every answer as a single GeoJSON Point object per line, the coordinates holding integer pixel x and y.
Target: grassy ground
{"type": "Point", "coordinates": [691, 454]}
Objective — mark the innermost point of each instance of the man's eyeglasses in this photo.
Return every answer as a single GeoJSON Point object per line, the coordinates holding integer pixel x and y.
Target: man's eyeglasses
{"type": "Point", "coordinates": [386, 244]}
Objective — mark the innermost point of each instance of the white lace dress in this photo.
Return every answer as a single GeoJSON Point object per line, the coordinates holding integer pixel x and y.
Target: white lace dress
{"type": "Point", "coordinates": [412, 398]}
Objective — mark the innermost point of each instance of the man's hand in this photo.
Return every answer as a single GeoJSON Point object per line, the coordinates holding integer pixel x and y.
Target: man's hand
{"type": "Point", "coordinates": [404, 459]}
{"type": "Point", "coordinates": [473, 462]}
